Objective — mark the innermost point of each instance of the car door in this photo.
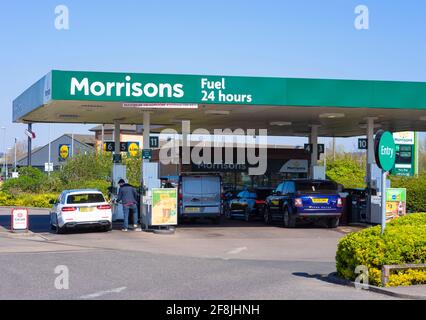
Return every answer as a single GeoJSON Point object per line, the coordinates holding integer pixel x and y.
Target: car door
{"type": "Point", "coordinates": [290, 195]}
{"type": "Point", "coordinates": [56, 210]}
{"type": "Point", "coordinates": [274, 202]}
{"type": "Point", "coordinates": [284, 197]}
{"type": "Point", "coordinates": [192, 194]}
{"type": "Point", "coordinates": [211, 194]}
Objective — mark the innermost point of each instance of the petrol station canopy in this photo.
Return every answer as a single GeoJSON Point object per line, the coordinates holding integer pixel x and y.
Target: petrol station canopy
{"type": "Point", "coordinates": [283, 106]}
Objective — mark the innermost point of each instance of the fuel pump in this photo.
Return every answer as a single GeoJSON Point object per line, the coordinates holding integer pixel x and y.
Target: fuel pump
{"type": "Point", "coordinates": [119, 171]}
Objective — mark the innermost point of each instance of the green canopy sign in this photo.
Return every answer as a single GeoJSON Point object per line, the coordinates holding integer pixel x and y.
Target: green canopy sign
{"type": "Point", "coordinates": [212, 89]}
{"type": "Point", "coordinates": [385, 150]}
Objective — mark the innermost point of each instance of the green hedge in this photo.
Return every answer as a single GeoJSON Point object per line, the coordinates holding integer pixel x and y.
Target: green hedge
{"type": "Point", "coordinates": [346, 171]}
{"type": "Point", "coordinates": [27, 200]}
{"type": "Point", "coordinates": [100, 185]}
{"type": "Point", "coordinates": [416, 191]}
{"type": "Point", "coordinates": [404, 242]}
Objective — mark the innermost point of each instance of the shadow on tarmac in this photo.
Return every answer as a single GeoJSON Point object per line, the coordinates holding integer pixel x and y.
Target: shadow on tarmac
{"type": "Point", "coordinates": [239, 223]}
{"type": "Point", "coordinates": [41, 224]}
{"type": "Point", "coordinates": [37, 223]}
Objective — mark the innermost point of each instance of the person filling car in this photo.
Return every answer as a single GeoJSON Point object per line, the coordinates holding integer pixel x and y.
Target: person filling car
{"type": "Point", "coordinates": [127, 195]}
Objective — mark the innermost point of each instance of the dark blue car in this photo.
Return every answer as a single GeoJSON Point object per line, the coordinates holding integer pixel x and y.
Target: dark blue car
{"type": "Point", "coordinates": [295, 200]}
{"type": "Point", "coordinates": [249, 204]}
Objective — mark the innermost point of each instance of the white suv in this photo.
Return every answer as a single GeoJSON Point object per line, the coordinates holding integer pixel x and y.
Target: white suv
{"type": "Point", "coordinates": [80, 208]}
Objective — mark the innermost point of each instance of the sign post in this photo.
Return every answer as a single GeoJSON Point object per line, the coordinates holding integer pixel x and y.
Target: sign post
{"type": "Point", "coordinates": [48, 167]}
{"type": "Point", "coordinates": [19, 220]}
{"type": "Point", "coordinates": [385, 152]}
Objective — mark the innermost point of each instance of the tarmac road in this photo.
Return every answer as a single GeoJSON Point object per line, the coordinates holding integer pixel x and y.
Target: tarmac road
{"type": "Point", "coordinates": [232, 261]}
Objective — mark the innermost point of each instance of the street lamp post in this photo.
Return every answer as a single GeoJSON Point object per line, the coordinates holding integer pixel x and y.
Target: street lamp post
{"type": "Point", "coordinates": [16, 142]}
{"type": "Point", "coordinates": [50, 152]}
{"type": "Point", "coordinates": [4, 148]}
{"type": "Point", "coordinates": [7, 166]}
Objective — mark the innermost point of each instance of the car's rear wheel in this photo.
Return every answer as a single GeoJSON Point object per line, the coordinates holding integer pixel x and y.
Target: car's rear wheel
{"type": "Point", "coordinates": [333, 223]}
{"type": "Point", "coordinates": [227, 212]}
{"type": "Point", "coordinates": [107, 228]}
{"type": "Point", "coordinates": [247, 215]}
{"type": "Point", "coordinates": [60, 230]}
{"type": "Point", "coordinates": [289, 219]}
{"type": "Point", "coordinates": [266, 216]}
{"type": "Point", "coordinates": [216, 220]}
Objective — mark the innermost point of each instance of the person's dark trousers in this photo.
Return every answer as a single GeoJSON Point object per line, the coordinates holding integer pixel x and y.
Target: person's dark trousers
{"type": "Point", "coordinates": [126, 211]}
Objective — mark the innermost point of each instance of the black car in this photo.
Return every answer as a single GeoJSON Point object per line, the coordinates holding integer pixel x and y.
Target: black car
{"type": "Point", "coordinates": [249, 204]}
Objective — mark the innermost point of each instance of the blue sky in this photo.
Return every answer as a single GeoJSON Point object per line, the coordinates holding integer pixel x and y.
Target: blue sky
{"type": "Point", "coordinates": [303, 38]}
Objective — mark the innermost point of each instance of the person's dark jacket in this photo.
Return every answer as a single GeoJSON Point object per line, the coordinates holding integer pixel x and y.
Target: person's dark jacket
{"type": "Point", "coordinates": [127, 195]}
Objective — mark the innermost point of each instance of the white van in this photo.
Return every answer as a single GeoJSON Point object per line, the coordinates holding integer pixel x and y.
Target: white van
{"type": "Point", "coordinates": [200, 196]}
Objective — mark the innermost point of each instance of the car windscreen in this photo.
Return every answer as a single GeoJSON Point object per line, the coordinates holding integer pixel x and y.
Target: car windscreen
{"type": "Point", "coordinates": [247, 195]}
{"type": "Point", "coordinates": [85, 198]}
{"type": "Point", "coordinates": [263, 194]}
{"type": "Point", "coordinates": [316, 187]}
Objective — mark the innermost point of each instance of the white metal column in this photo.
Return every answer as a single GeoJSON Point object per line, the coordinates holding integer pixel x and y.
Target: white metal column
{"type": "Point", "coordinates": [370, 139]}
{"type": "Point", "coordinates": [146, 130]}
{"type": "Point", "coordinates": [50, 150]}
{"type": "Point", "coordinates": [102, 138]}
{"type": "Point", "coordinates": [370, 162]}
{"type": "Point", "coordinates": [117, 139]}
{"type": "Point", "coordinates": [314, 142]}
{"type": "Point", "coordinates": [144, 207]}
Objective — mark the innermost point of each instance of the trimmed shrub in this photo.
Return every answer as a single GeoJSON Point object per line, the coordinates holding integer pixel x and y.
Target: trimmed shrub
{"type": "Point", "coordinates": [27, 200]}
{"type": "Point", "coordinates": [101, 185]}
{"type": "Point", "coordinates": [404, 242]}
{"type": "Point", "coordinates": [34, 188]}
{"type": "Point", "coordinates": [30, 180]}
{"type": "Point", "coordinates": [346, 171]}
{"type": "Point", "coordinates": [416, 191]}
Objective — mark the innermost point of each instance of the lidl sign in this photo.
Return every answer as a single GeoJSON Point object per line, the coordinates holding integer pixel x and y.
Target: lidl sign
{"type": "Point", "coordinates": [64, 152]}
{"type": "Point", "coordinates": [133, 149]}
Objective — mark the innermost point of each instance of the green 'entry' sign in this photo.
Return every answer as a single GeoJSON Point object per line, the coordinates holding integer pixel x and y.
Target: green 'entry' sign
{"type": "Point", "coordinates": [385, 150]}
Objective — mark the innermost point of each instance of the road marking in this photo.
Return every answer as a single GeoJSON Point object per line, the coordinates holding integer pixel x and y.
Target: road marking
{"type": "Point", "coordinates": [237, 250]}
{"type": "Point", "coordinates": [103, 293]}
